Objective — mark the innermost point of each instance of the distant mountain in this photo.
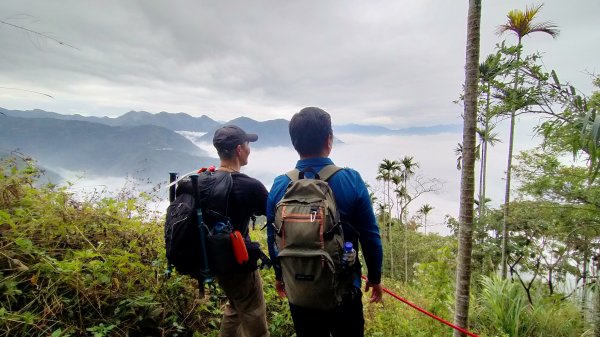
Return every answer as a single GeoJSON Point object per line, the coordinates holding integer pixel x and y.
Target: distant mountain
{"type": "Point", "coordinates": [172, 121]}
{"type": "Point", "coordinates": [143, 144]}
{"type": "Point", "coordinates": [380, 130]}
{"type": "Point", "coordinates": [144, 151]}
{"type": "Point", "coordinates": [270, 133]}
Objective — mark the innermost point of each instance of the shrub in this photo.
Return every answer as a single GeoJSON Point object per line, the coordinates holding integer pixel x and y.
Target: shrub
{"type": "Point", "coordinates": [93, 267]}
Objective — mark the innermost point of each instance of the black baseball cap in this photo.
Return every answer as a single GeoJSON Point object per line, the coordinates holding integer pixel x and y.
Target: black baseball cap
{"type": "Point", "coordinates": [230, 136]}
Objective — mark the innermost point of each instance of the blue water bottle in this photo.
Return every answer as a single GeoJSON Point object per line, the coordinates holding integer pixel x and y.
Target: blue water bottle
{"type": "Point", "coordinates": [349, 255]}
{"type": "Point", "coordinates": [220, 228]}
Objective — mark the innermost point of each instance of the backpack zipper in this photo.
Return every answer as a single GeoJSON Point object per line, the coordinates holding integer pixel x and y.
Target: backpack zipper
{"type": "Point", "coordinates": [313, 216]}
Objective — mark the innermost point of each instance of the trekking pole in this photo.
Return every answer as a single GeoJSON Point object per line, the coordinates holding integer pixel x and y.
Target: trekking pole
{"type": "Point", "coordinates": [414, 306]}
{"type": "Point", "coordinates": [206, 270]}
{"type": "Point", "coordinates": [172, 178]}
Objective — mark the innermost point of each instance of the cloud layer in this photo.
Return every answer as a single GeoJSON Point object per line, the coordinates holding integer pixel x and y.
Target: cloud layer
{"type": "Point", "coordinates": [380, 62]}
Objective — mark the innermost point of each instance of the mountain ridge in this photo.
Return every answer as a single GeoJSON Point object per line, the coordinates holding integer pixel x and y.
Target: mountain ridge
{"type": "Point", "coordinates": [181, 121]}
{"type": "Point", "coordinates": [141, 143]}
{"type": "Point", "coordinates": [146, 150]}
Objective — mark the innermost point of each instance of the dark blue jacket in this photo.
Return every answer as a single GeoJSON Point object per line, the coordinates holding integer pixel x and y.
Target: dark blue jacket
{"type": "Point", "coordinates": [354, 204]}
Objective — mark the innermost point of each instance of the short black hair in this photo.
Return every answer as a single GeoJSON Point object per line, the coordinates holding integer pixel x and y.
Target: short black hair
{"type": "Point", "coordinates": [309, 130]}
{"type": "Point", "coordinates": [226, 154]}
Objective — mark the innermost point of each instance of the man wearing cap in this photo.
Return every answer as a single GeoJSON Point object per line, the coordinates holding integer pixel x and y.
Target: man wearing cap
{"type": "Point", "coordinates": [245, 312]}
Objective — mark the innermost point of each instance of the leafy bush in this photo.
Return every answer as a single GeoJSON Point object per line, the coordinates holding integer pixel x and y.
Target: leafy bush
{"type": "Point", "coordinates": [502, 309]}
{"type": "Point", "coordinates": [93, 267]}
{"type": "Point", "coordinates": [96, 267]}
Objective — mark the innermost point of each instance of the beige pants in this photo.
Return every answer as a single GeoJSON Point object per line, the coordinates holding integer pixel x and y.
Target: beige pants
{"type": "Point", "coordinates": [245, 313]}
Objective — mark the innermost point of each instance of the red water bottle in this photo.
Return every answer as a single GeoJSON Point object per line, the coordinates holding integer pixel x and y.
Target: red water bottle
{"type": "Point", "coordinates": [239, 247]}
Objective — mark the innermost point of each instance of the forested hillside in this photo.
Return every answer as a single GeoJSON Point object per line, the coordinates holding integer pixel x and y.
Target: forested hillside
{"type": "Point", "coordinates": [141, 151]}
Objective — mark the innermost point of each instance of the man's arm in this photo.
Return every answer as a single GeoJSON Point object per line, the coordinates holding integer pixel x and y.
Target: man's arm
{"type": "Point", "coordinates": [260, 198]}
{"type": "Point", "coordinates": [276, 193]}
{"type": "Point", "coordinates": [370, 239]}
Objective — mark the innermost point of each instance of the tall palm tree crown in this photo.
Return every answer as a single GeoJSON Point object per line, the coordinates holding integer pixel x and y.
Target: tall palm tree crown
{"type": "Point", "coordinates": [521, 23]}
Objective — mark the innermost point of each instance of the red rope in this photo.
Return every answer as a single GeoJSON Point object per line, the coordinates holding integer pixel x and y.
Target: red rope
{"type": "Point", "coordinates": [414, 306]}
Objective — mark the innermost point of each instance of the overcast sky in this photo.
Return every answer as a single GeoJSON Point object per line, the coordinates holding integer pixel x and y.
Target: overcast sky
{"type": "Point", "coordinates": [392, 63]}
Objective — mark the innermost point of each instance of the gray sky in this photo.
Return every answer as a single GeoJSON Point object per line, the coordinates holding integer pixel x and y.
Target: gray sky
{"type": "Point", "coordinates": [392, 63]}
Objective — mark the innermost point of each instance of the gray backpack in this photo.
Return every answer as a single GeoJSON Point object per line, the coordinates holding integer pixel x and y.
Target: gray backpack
{"type": "Point", "coordinates": [310, 241]}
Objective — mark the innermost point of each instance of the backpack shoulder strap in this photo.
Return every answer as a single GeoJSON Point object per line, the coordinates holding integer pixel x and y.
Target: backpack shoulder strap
{"type": "Point", "coordinates": [328, 171]}
{"type": "Point", "coordinates": [293, 174]}
{"type": "Point", "coordinates": [222, 186]}
{"type": "Point", "coordinates": [214, 189]}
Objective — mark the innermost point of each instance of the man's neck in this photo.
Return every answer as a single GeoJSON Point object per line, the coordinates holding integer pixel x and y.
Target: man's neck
{"type": "Point", "coordinates": [312, 157]}
{"type": "Point", "coordinates": [229, 166]}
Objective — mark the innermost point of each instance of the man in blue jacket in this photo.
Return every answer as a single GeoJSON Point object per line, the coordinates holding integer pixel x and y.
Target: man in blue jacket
{"type": "Point", "coordinates": [312, 137]}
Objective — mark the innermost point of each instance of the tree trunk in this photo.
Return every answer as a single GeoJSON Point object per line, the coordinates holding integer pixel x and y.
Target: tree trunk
{"type": "Point", "coordinates": [405, 230]}
{"type": "Point", "coordinates": [584, 274]}
{"type": "Point", "coordinates": [467, 181]}
{"type": "Point", "coordinates": [405, 251]}
{"type": "Point", "coordinates": [484, 152]}
{"type": "Point", "coordinates": [390, 231]}
{"type": "Point", "coordinates": [511, 139]}
{"type": "Point", "coordinates": [507, 196]}
{"type": "Point", "coordinates": [597, 307]}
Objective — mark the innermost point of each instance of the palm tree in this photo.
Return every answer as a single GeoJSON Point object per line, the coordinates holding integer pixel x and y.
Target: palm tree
{"type": "Point", "coordinates": [408, 167]}
{"type": "Point", "coordinates": [521, 24]}
{"type": "Point", "coordinates": [467, 181]}
{"type": "Point", "coordinates": [387, 169]}
{"type": "Point", "coordinates": [488, 71]}
{"type": "Point", "coordinates": [425, 209]}
{"type": "Point", "coordinates": [486, 137]}
{"type": "Point", "coordinates": [397, 180]}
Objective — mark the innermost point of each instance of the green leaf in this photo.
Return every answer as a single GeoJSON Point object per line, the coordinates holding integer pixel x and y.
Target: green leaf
{"type": "Point", "coordinates": [578, 102]}
{"type": "Point", "coordinates": [584, 124]}
{"type": "Point", "coordinates": [555, 78]}
{"type": "Point", "coordinates": [595, 129]}
{"type": "Point", "coordinates": [25, 244]}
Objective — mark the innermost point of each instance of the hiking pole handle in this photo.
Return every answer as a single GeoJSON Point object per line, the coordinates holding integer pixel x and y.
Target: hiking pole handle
{"type": "Point", "coordinates": [172, 178]}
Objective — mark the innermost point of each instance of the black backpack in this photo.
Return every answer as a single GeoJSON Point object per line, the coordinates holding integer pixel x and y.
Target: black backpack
{"type": "Point", "coordinates": [197, 229]}
{"type": "Point", "coordinates": [186, 229]}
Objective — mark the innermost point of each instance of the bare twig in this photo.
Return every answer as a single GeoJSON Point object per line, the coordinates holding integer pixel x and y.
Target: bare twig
{"type": "Point", "coordinates": [35, 92]}
{"type": "Point", "coordinates": [39, 34]}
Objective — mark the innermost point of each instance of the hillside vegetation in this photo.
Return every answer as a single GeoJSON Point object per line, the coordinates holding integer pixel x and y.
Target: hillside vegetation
{"type": "Point", "coordinates": [96, 267]}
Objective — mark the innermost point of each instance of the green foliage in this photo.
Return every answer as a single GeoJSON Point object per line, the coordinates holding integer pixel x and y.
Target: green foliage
{"type": "Point", "coordinates": [394, 318]}
{"type": "Point", "coordinates": [96, 267]}
{"type": "Point", "coordinates": [502, 309]}
{"type": "Point", "coordinates": [435, 281]}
